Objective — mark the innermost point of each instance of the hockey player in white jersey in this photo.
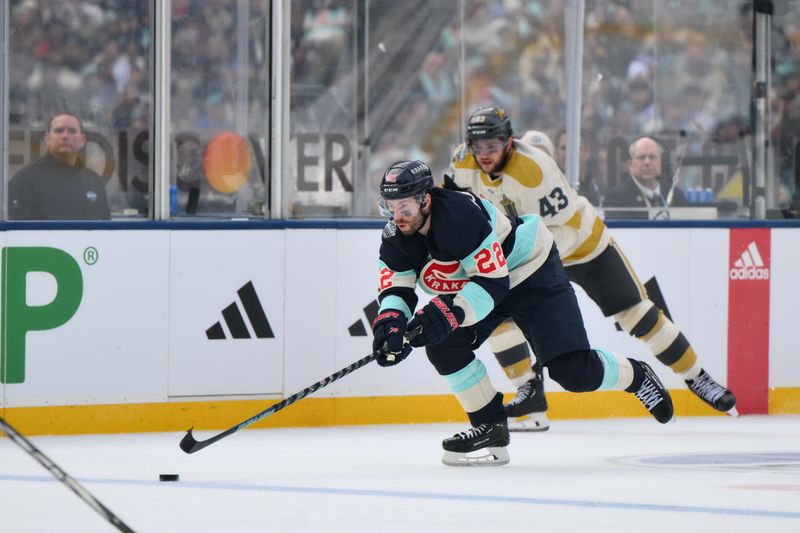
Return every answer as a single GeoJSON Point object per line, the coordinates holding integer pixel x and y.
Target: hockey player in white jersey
{"type": "Point", "coordinates": [521, 179]}
{"type": "Point", "coordinates": [482, 266]}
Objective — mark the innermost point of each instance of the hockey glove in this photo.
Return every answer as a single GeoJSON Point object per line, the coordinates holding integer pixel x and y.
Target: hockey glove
{"type": "Point", "coordinates": [435, 321]}
{"type": "Point", "coordinates": [388, 343]}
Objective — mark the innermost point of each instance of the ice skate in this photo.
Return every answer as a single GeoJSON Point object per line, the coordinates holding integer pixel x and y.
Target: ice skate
{"type": "Point", "coordinates": [654, 395]}
{"type": "Point", "coordinates": [528, 410]}
{"type": "Point", "coordinates": [483, 445]}
{"type": "Point", "coordinates": [711, 392]}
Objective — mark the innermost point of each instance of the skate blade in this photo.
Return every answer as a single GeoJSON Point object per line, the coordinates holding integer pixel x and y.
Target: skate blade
{"type": "Point", "coordinates": [530, 422]}
{"type": "Point", "coordinates": [730, 412]}
{"type": "Point", "coordinates": [491, 456]}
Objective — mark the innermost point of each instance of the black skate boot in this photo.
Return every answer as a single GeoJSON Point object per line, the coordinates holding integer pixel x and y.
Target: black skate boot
{"type": "Point", "coordinates": [711, 392]}
{"type": "Point", "coordinates": [486, 443]}
{"type": "Point", "coordinates": [528, 409]}
{"type": "Point", "coordinates": [654, 395]}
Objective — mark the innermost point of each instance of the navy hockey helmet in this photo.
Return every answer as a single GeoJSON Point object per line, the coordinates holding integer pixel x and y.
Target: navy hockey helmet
{"type": "Point", "coordinates": [404, 179]}
{"type": "Point", "coordinates": [489, 123]}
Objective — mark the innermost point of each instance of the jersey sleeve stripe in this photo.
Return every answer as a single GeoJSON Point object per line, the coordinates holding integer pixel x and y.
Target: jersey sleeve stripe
{"type": "Point", "coordinates": [525, 242]}
{"type": "Point", "coordinates": [470, 265]}
{"type": "Point", "coordinates": [395, 302]}
{"type": "Point", "coordinates": [575, 221]}
{"type": "Point", "coordinates": [406, 278]}
{"type": "Point", "coordinates": [590, 244]}
{"type": "Point", "coordinates": [476, 302]}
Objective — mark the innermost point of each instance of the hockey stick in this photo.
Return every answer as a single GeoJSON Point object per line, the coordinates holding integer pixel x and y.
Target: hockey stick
{"type": "Point", "coordinates": [63, 477]}
{"type": "Point", "coordinates": [190, 445]}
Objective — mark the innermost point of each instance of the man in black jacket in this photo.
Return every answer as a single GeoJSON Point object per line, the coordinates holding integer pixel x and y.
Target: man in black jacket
{"type": "Point", "coordinates": [55, 186]}
{"type": "Point", "coordinates": [645, 187]}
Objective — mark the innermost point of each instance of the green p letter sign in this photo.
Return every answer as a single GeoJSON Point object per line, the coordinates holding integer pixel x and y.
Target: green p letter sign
{"type": "Point", "coordinates": [19, 318]}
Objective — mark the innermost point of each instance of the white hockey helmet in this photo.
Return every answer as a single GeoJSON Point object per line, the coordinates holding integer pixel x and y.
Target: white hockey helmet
{"type": "Point", "coordinates": [539, 139]}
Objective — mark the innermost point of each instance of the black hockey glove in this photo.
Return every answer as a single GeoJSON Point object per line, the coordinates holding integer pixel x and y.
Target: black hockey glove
{"type": "Point", "coordinates": [435, 321]}
{"type": "Point", "coordinates": [388, 343]}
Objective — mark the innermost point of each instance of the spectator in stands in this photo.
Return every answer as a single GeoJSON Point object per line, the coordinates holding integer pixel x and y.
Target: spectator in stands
{"type": "Point", "coordinates": [56, 186]}
{"type": "Point", "coordinates": [643, 106]}
{"type": "Point", "coordinates": [646, 186]}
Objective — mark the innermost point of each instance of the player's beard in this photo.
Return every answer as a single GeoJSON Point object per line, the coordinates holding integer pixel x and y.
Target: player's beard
{"type": "Point", "coordinates": [411, 225]}
{"type": "Point", "coordinates": [496, 168]}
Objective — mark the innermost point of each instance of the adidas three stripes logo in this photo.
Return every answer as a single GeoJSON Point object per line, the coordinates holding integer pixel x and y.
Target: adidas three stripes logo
{"type": "Point", "coordinates": [750, 265]}
{"type": "Point", "coordinates": [235, 321]}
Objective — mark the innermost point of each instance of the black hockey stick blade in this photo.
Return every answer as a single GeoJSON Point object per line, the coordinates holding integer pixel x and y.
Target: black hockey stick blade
{"type": "Point", "coordinates": [190, 445]}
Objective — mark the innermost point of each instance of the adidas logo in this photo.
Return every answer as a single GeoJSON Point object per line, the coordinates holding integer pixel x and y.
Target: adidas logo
{"type": "Point", "coordinates": [235, 321]}
{"type": "Point", "coordinates": [357, 328]}
{"type": "Point", "coordinates": [749, 265]}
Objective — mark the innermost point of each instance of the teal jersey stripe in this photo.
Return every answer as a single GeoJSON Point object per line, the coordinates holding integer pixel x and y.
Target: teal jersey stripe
{"type": "Point", "coordinates": [467, 377]}
{"type": "Point", "coordinates": [610, 369]}
{"type": "Point", "coordinates": [468, 263]}
{"type": "Point", "coordinates": [491, 209]}
{"type": "Point", "coordinates": [395, 302]}
{"type": "Point", "coordinates": [406, 278]}
{"type": "Point", "coordinates": [476, 296]}
{"type": "Point", "coordinates": [525, 241]}
{"type": "Point", "coordinates": [404, 273]}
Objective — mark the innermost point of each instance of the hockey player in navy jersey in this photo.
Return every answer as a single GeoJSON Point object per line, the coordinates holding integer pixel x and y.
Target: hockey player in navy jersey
{"type": "Point", "coordinates": [482, 267]}
{"type": "Point", "coordinates": [519, 179]}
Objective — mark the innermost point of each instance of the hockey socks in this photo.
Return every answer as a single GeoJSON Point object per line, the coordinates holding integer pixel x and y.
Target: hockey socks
{"type": "Point", "coordinates": [472, 387]}
{"type": "Point", "coordinates": [618, 371]}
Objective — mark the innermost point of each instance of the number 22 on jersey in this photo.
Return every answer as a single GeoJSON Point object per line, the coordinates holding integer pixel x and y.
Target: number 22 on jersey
{"type": "Point", "coordinates": [487, 261]}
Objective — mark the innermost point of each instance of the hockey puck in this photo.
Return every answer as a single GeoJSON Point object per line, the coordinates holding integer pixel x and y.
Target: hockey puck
{"type": "Point", "coordinates": [168, 477]}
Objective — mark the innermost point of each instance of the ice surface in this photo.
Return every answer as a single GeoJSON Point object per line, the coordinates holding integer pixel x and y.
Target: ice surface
{"type": "Point", "coordinates": [615, 475]}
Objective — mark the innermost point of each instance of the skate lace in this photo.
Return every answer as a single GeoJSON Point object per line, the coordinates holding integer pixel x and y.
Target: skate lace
{"type": "Point", "coordinates": [649, 395]}
{"type": "Point", "coordinates": [523, 393]}
{"type": "Point", "coordinates": [472, 432]}
{"type": "Point", "coordinates": [706, 387]}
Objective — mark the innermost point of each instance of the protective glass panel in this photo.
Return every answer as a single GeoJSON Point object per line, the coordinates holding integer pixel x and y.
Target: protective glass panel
{"type": "Point", "coordinates": [374, 82]}
{"type": "Point", "coordinates": [325, 88]}
{"type": "Point", "coordinates": [785, 105]}
{"type": "Point", "coordinates": [90, 59]}
{"type": "Point", "coordinates": [220, 108]}
{"type": "Point", "coordinates": [678, 72]}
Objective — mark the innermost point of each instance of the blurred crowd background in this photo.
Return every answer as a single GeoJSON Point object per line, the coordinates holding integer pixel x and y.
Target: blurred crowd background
{"type": "Point", "coordinates": [373, 81]}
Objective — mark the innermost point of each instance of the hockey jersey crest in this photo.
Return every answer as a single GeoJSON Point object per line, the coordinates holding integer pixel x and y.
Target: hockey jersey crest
{"type": "Point", "coordinates": [442, 277]}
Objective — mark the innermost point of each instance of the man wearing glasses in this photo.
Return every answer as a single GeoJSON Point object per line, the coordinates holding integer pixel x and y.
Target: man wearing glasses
{"type": "Point", "coordinates": [645, 187]}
